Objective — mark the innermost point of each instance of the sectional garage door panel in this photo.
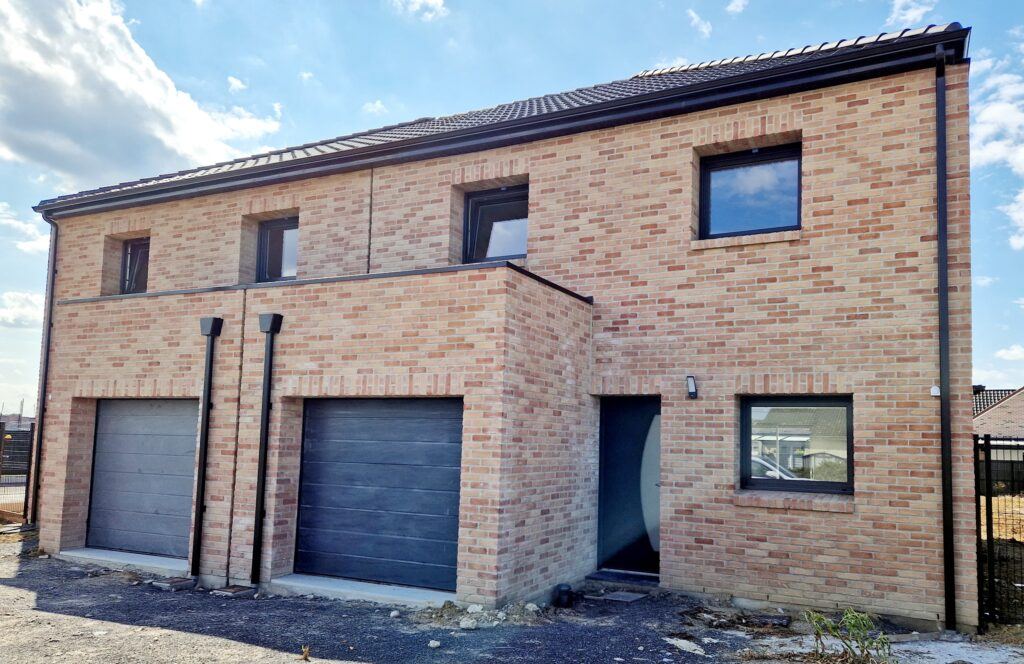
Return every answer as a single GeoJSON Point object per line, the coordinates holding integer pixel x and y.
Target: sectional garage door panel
{"type": "Point", "coordinates": [142, 480]}
{"type": "Point", "coordinates": [380, 490]}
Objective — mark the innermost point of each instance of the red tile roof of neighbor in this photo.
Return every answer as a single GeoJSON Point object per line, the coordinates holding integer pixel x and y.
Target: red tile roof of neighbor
{"type": "Point", "coordinates": [641, 86]}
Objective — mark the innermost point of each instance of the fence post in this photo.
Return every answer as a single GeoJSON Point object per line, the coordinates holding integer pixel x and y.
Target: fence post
{"type": "Point", "coordinates": [979, 554]}
{"type": "Point", "coordinates": [29, 469]}
{"type": "Point", "coordinates": [990, 544]}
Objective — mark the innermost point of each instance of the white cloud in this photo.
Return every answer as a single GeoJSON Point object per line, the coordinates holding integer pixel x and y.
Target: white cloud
{"type": "Point", "coordinates": [21, 309]}
{"type": "Point", "coordinates": [982, 281]}
{"type": "Point", "coordinates": [425, 10]}
{"type": "Point", "coordinates": [997, 127]}
{"type": "Point", "coordinates": [1008, 376]}
{"type": "Point", "coordinates": [199, 3]}
{"type": "Point", "coordinates": [1020, 302]}
{"type": "Point", "coordinates": [909, 13]}
{"type": "Point", "coordinates": [80, 97]}
{"type": "Point", "coordinates": [236, 84]}
{"type": "Point", "coordinates": [31, 237]}
{"type": "Point", "coordinates": [736, 6]}
{"type": "Point", "coordinates": [699, 24]}
{"type": "Point", "coordinates": [1014, 353]}
{"type": "Point", "coordinates": [375, 107]}
{"type": "Point", "coordinates": [305, 76]}
{"type": "Point", "coordinates": [673, 62]}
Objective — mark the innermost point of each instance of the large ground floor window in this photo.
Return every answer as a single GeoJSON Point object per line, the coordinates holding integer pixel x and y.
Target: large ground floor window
{"type": "Point", "coordinates": [797, 443]}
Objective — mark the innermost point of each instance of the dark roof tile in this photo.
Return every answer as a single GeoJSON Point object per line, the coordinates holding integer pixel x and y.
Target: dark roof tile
{"type": "Point", "coordinates": [985, 399]}
{"type": "Point", "coordinates": [644, 83]}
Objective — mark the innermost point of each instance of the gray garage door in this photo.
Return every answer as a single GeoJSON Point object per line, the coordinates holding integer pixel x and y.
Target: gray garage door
{"type": "Point", "coordinates": [379, 495]}
{"type": "Point", "coordinates": [142, 476]}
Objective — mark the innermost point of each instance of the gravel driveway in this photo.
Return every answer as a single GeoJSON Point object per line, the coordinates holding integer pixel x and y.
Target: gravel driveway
{"type": "Point", "coordinates": [58, 612]}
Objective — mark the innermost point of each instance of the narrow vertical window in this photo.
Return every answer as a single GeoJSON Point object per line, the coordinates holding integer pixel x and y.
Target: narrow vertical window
{"type": "Point", "coordinates": [135, 266]}
{"type": "Point", "coordinates": [496, 224]}
{"type": "Point", "coordinates": [278, 250]}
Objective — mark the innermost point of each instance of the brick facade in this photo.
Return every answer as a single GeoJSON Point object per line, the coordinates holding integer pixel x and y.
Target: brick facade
{"type": "Point", "coordinates": [846, 305]}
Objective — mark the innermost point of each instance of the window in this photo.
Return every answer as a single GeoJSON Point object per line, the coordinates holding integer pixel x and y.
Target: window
{"type": "Point", "coordinates": [496, 224]}
{"type": "Point", "coordinates": [756, 191]}
{"type": "Point", "coordinates": [278, 250]}
{"type": "Point", "coordinates": [135, 265]}
{"type": "Point", "coordinates": [797, 444]}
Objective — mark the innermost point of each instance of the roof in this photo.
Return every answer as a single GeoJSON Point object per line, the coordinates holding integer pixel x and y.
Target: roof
{"type": "Point", "coordinates": [407, 140]}
{"type": "Point", "coordinates": [985, 399]}
{"type": "Point", "coordinates": [800, 422]}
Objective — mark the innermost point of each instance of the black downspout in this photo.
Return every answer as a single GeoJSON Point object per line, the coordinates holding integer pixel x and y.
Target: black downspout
{"type": "Point", "coordinates": [32, 517]}
{"type": "Point", "coordinates": [945, 417]}
{"type": "Point", "coordinates": [270, 324]}
{"type": "Point", "coordinates": [210, 328]}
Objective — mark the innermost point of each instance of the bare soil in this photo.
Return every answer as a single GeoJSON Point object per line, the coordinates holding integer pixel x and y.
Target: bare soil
{"type": "Point", "coordinates": [54, 611]}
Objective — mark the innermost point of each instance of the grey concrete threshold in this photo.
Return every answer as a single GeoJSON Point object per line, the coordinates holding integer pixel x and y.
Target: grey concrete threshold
{"type": "Point", "coordinates": [324, 586]}
{"type": "Point", "coordinates": [139, 562]}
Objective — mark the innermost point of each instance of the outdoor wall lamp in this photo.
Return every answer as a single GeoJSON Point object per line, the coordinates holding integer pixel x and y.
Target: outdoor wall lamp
{"type": "Point", "coordinates": [691, 387]}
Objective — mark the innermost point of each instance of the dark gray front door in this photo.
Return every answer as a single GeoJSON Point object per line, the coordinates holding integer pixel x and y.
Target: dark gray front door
{"type": "Point", "coordinates": [628, 515]}
{"type": "Point", "coordinates": [379, 494]}
{"type": "Point", "coordinates": [142, 475]}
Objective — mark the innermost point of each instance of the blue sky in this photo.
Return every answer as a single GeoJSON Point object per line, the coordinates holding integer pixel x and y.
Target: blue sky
{"type": "Point", "coordinates": [102, 92]}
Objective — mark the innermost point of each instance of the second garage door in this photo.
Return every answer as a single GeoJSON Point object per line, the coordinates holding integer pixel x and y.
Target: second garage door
{"type": "Point", "coordinates": [379, 494]}
{"type": "Point", "coordinates": [143, 469]}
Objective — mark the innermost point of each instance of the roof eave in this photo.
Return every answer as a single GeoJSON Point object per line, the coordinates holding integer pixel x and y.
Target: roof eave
{"type": "Point", "coordinates": [843, 67]}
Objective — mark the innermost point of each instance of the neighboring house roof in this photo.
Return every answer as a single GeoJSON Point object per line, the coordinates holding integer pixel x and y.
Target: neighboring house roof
{"type": "Point", "coordinates": [985, 399]}
{"type": "Point", "coordinates": [1003, 419]}
{"type": "Point", "coordinates": [649, 94]}
{"type": "Point", "coordinates": [801, 422]}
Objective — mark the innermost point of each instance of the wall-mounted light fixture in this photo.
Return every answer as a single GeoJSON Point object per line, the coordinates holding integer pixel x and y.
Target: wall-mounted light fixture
{"type": "Point", "coordinates": [691, 387]}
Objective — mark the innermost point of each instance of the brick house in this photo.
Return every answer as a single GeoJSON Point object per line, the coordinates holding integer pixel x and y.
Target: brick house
{"type": "Point", "coordinates": [687, 326]}
{"type": "Point", "coordinates": [999, 412]}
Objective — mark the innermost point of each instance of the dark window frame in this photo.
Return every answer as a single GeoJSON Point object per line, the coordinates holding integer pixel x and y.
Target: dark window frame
{"type": "Point", "coordinates": [470, 227]}
{"type": "Point", "coordinates": [753, 157]}
{"type": "Point", "coordinates": [126, 249]}
{"type": "Point", "coordinates": [802, 486]}
{"type": "Point", "coordinates": [263, 247]}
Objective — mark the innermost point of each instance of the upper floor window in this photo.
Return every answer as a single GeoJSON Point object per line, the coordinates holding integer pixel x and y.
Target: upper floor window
{"type": "Point", "coordinates": [135, 265]}
{"type": "Point", "coordinates": [797, 444]}
{"type": "Point", "coordinates": [755, 191]}
{"type": "Point", "coordinates": [496, 224]}
{"type": "Point", "coordinates": [278, 249]}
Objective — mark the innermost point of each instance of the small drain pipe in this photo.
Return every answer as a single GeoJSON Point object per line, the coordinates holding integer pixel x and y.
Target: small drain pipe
{"type": "Point", "coordinates": [270, 324]}
{"type": "Point", "coordinates": [32, 516]}
{"type": "Point", "coordinates": [945, 412]}
{"type": "Point", "coordinates": [210, 328]}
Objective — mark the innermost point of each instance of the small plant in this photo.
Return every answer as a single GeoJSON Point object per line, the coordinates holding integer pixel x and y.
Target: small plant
{"type": "Point", "coordinates": [857, 638]}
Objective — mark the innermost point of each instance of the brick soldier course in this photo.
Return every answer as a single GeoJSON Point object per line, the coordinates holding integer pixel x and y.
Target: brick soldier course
{"type": "Point", "coordinates": [846, 305]}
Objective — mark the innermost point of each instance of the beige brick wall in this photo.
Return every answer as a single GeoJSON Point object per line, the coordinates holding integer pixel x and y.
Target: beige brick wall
{"type": "Point", "coordinates": [1006, 418]}
{"type": "Point", "coordinates": [845, 305]}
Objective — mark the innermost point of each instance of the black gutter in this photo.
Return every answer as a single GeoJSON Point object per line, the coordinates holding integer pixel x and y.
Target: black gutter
{"type": "Point", "coordinates": [270, 324]}
{"type": "Point", "coordinates": [35, 472]}
{"type": "Point", "coordinates": [945, 417]}
{"type": "Point", "coordinates": [210, 328]}
{"type": "Point", "coordinates": [331, 280]}
{"type": "Point", "coordinates": [846, 66]}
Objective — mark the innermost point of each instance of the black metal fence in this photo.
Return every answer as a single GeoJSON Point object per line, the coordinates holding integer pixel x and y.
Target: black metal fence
{"type": "Point", "coordinates": [999, 478]}
{"type": "Point", "coordinates": [15, 450]}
